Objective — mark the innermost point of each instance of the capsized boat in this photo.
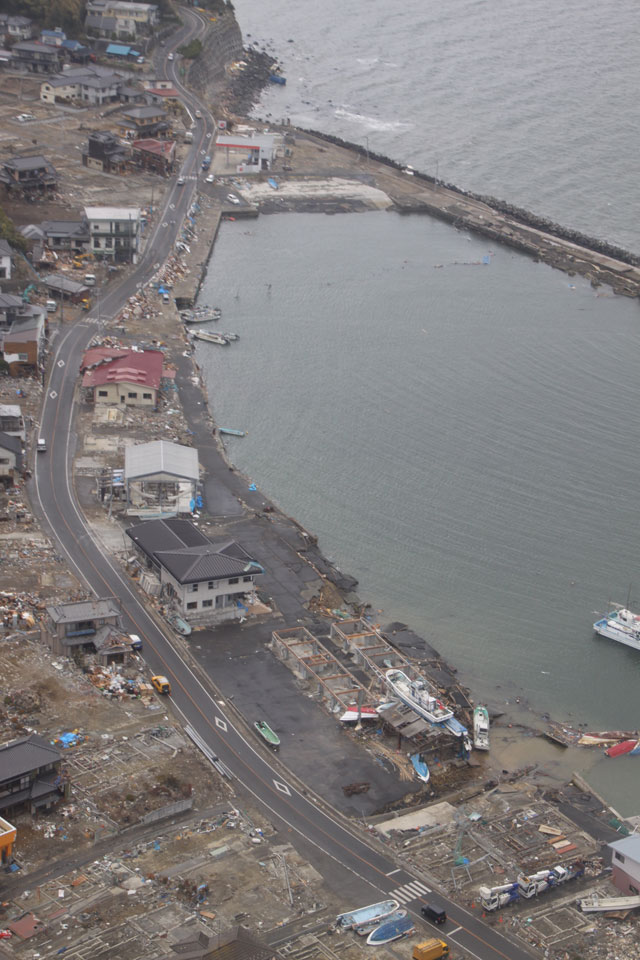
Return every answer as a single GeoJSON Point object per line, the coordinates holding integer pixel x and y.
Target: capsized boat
{"type": "Point", "coordinates": [625, 746]}
{"type": "Point", "coordinates": [352, 713]}
{"type": "Point", "coordinates": [374, 913]}
{"type": "Point", "coordinates": [392, 929]}
{"type": "Point", "coordinates": [481, 728]}
{"type": "Point", "coordinates": [621, 625]}
{"type": "Point", "coordinates": [420, 767]}
{"type": "Point", "coordinates": [366, 929]}
{"type": "Point", "coordinates": [415, 693]}
{"type": "Point", "coordinates": [267, 733]}
{"type": "Point", "coordinates": [210, 337]}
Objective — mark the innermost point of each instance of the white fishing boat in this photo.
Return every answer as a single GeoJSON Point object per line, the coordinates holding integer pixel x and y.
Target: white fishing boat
{"type": "Point", "coordinates": [372, 914]}
{"type": "Point", "coordinates": [230, 336]}
{"type": "Point", "coordinates": [416, 694]}
{"type": "Point", "coordinates": [621, 625]}
{"type": "Point", "coordinates": [210, 337]}
{"type": "Point", "coordinates": [201, 315]}
{"type": "Point", "coordinates": [481, 728]}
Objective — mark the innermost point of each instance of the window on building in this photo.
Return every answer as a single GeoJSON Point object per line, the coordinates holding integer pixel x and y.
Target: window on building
{"type": "Point", "coordinates": [633, 889]}
{"type": "Point", "coordinates": [233, 580]}
{"type": "Point", "coordinates": [207, 603]}
{"type": "Point", "coordinates": [210, 585]}
{"type": "Point", "coordinates": [132, 396]}
{"type": "Point", "coordinates": [23, 357]}
{"type": "Point", "coordinates": [193, 605]}
{"type": "Point", "coordinates": [618, 856]}
{"type": "Point", "coordinates": [103, 393]}
{"type": "Point", "coordinates": [247, 579]}
{"type": "Point", "coordinates": [194, 587]}
{"type": "Point", "coordinates": [147, 396]}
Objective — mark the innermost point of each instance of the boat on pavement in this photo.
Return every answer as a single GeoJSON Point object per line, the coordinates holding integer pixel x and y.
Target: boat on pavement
{"type": "Point", "coordinates": [267, 734]}
{"type": "Point", "coordinates": [210, 337]}
{"type": "Point", "coordinates": [416, 694]}
{"type": "Point", "coordinates": [621, 625]}
{"type": "Point", "coordinates": [481, 728]}
{"type": "Point", "coordinates": [393, 928]}
{"type": "Point", "coordinates": [420, 767]}
{"type": "Point", "coordinates": [374, 913]}
{"type": "Point", "coordinates": [352, 713]}
{"type": "Point", "coordinates": [367, 928]}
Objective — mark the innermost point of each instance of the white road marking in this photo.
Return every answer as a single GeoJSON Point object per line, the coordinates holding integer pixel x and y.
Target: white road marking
{"type": "Point", "coordinates": [221, 723]}
{"type": "Point", "coordinates": [399, 870]}
{"type": "Point", "coordinates": [282, 787]}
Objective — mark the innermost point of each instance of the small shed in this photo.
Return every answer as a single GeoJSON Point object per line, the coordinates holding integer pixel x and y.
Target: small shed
{"type": "Point", "coordinates": [161, 479]}
{"type": "Point", "coordinates": [60, 286]}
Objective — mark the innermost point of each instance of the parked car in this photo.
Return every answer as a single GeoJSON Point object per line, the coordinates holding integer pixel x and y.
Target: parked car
{"type": "Point", "coordinates": [170, 57]}
{"type": "Point", "coordinates": [231, 197]}
{"type": "Point", "coordinates": [210, 179]}
{"type": "Point", "coordinates": [161, 684]}
{"type": "Point", "coordinates": [25, 117]}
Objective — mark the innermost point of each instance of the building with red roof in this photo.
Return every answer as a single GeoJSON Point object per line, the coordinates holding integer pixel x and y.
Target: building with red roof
{"type": "Point", "coordinates": [156, 155]}
{"type": "Point", "coordinates": [123, 377]}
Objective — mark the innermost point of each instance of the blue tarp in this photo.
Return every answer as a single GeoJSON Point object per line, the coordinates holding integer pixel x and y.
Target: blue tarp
{"type": "Point", "coordinates": [118, 50]}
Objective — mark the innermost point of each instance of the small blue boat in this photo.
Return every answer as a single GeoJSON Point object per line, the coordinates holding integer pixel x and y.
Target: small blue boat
{"type": "Point", "coordinates": [394, 928]}
{"type": "Point", "coordinates": [420, 767]}
{"type": "Point", "coordinates": [230, 432]}
{"type": "Point", "coordinates": [276, 78]}
{"type": "Point", "coordinates": [273, 183]}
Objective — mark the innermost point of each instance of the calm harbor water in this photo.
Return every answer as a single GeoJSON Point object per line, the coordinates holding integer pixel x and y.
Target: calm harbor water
{"type": "Point", "coordinates": [463, 437]}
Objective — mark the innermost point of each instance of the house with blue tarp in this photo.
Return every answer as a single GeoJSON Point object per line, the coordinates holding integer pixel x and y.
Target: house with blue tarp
{"type": "Point", "coordinates": [122, 51]}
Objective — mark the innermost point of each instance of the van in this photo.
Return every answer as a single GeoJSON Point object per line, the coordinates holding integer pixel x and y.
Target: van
{"type": "Point", "coordinates": [89, 280]}
{"type": "Point", "coordinates": [434, 912]}
{"type": "Point", "coordinates": [161, 684]}
{"type": "Point", "coordinates": [136, 642]}
{"type": "Point", "coordinates": [42, 445]}
{"type": "Point", "coordinates": [52, 306]}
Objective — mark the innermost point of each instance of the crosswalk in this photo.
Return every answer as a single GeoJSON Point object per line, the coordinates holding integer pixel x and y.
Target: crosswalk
{"type": "Point", "coordinates": [409, 891]}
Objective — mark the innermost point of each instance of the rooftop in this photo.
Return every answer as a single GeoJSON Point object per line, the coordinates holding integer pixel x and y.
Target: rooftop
{"type": "Point", "coordinates": [161, 456]}
{"type": "Point", "coordinates": [112, 213]}
{"type": "Point", "coordinates": [143, 367]}
{"type": "Point", "coordinates": [84, 610]}
{"type": "Point", "coordinates": [22, 756]}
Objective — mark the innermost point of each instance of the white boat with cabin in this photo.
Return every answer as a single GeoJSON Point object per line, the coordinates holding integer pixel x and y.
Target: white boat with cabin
{"type": "Point", "coordinates": [416, 694]}
{"type": "Point", "coordinates": [621, 625]}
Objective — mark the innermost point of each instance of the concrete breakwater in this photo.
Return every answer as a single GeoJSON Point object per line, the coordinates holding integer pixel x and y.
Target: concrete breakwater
{"type": "Point", "coordinates": [560, 247]}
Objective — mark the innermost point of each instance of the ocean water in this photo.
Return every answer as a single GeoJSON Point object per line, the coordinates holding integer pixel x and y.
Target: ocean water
{"type": "Point", "coordinates": [463, 437]}
{"type": "Point", "coordinates": [531, 102]}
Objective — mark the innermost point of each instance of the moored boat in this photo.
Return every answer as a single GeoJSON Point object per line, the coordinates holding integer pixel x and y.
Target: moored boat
{"type": "Point", "coordinates": [481, 728]}
{"type": "Point", "coordinates": [374, 913]}
{"type": "Point", "coordinates": [230, 336]}
{"type": "Point", "coordinates": [210, 337]}
{"type": "Point", "coordinates": [229, 431]}
{"type": "Point", "coordinates": [416, 694]}
{"type": "Point", "coordinates": [267, 734]}
{"type": "Point", "coordinates": [392, 929]}
{"type": "Point", "coordinates": [420, 767]}
{"type": "Point", "coordinates": [620, 625]}
{"type": "Point", "coordinates": [201, 314]}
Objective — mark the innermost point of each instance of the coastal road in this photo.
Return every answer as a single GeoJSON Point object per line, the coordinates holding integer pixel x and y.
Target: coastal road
{"type": "Point", "coordinates": [346, 858]}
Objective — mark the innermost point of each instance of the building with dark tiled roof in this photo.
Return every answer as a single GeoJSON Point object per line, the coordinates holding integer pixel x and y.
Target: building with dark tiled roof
{"type": "Point", "coordinates": [206, 581]}
{"type": "Point", "coordinates": [30, 775]}
{"type": "Point", "coordinates": [30, 175]}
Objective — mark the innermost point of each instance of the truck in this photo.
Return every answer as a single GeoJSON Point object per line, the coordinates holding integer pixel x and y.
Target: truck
{"type": "Point", "coordinates": [492, 898]}
{"type": "Point", "coordinates": [431, 949]}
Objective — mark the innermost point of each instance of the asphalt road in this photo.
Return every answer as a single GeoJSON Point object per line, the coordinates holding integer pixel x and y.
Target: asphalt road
{"type": "Point", "coordinates": [347, 861]}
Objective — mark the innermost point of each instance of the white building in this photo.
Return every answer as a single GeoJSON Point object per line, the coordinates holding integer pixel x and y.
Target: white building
{"type": "Point", "coordinates": [114, 233]}
{"type": "Point", "coordinates": [625, 863]}
{"type": "Point", "coordinates": [206, 582]}
{"type": "Point", "coordinates": [161, 478]}
{"type": "Point", "coordinates": [251, 153]}
{"type": "Point", "coordinates": [6, 254]}
{"type": "Point", "coordinates": [91, 84]}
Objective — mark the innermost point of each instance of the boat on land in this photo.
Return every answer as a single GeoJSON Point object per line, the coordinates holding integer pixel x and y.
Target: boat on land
{"type": "Point", "coordinates": [394, 928]}
{"type": "Point", "coordinates": [267, 734]}
{"type": "Point", "coordinates": [352, 713]}
{"type": "Point", "coordinates": [366, 929]}
{"type": "Point", "coordinates": [620, 625]}
{"type": "Point", "coordinates": [229, 431]}
{"type": "Point", "coordinates": [210, 337]}
{"type": "Point", "coordinates": [632, 747]}
{"type": "Point", "coordinates": [374, 913]}
{"type": "Point", "coordinates": [481, 728]}
{"type": "Point", "coordinates": [201, 315]}
{"type": "Point", "coordinates": [420, 767]}
{"type": "Point", "coordinates": [416, 694]}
